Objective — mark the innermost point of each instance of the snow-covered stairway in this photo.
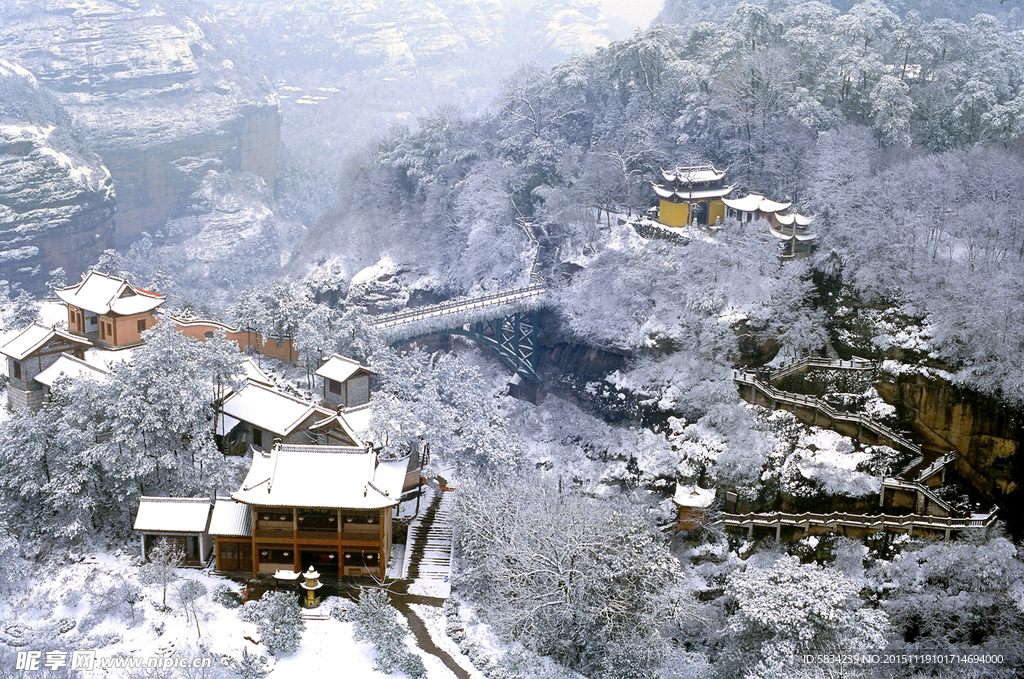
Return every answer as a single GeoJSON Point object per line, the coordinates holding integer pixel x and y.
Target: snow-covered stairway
{"type": "Point", "coordinates": [428, 549]}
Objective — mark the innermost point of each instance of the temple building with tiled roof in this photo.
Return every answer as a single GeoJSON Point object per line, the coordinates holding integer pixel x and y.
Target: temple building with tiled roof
{"type": "Point", "coordinates": [692, 194]}
{"type": "Point", "coordinates": [109, 310]}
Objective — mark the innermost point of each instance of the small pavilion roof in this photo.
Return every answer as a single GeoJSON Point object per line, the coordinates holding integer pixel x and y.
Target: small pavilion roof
{"type": "Point", "coordinates": [693, 174]}
{"type": "Point", "coordinates": [230, 519]}
{"type": "Point", "coordinates": [100, 293]}
{"type": "Point", "coordinates": [755, 202]}
{"type": "Point", "coordinates": [75, 368]}
{"type": "Point", "coordinates": [173, 515]}
{"type": "Point", "coordinates": [694, 496]}
{"type": "Point", "coordinates": [340, 368]}
{"type": "Point", "coordinates": [793, 218]}
{"type": "Point", "coordinates": [338, 477]}
{"type": "Point", "coordinates": [33, 338]}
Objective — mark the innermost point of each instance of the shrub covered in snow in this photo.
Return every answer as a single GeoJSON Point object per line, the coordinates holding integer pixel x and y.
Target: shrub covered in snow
{"type": "Point", "coordinates": [278, 618]}
{"type": "Point", "coordinates": [375, 621]}
{"type": "Point", "coordinates": [827, 462]}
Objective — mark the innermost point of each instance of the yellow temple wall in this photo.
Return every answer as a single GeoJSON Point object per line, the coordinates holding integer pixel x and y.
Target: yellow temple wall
{"type": "Point", "coordinates": [673, 214]}
{"type": "Point", "coordinates": [716, 212]}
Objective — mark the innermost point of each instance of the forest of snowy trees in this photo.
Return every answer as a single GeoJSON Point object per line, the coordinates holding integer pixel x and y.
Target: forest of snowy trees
{"type": "Point", "coordinates": [898, 124]}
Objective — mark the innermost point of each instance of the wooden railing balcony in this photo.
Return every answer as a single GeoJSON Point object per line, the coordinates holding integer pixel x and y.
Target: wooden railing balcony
{"type": "Point", "coordinates": [273, 533]}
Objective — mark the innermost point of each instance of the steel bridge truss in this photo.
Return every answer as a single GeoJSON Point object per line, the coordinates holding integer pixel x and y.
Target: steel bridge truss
{"type": "Point", "coordinates": [513, 338]}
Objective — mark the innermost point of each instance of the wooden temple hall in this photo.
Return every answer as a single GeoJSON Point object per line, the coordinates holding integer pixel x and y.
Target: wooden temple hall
{"type": "Point", "coordinates": [329, 507]}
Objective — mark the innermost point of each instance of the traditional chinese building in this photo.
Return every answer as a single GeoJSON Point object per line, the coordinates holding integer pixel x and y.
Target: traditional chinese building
{"type": "Point", "coordinates": [795, 233]}
{"type": "Point", "coordinates": [258, 414]}
{"type": "Point", "coordinates": [182, 521]}
{"type": "Point", "coordinates": [30, 353]}
{"type": "Point", "coordinates": [329, 507]}
{"type": "Point", "coordinates": [346, 383]}
{"type": "Point", "coordinates": [692, 194]}
{"type": "Point", "coordinates": [693, 503]}
{"type": "Point", "coordinates": [109, 310]}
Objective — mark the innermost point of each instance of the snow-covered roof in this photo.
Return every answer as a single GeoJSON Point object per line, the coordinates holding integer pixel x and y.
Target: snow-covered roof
{"type": "Point", "coordinates": [701, 194]}
{"type": "Point", "coordinates": [772, 206]}
{"type": "Point", "coordinates": [755, 202]}
{"type": "Point", "coordinates": [253, 373]}
{"type": "Point", "coordinates": [780, 235]}
{"type": "Point", "coordinates": [173, 515]}
{"type": "Point", "coordinates": [794, 218]}
{"type": "Point", "coordinates": [269, 408]}
{"type": "Point", "coordinates": [338, 420]}
{"type": "Point", "coordinates": [694, 496]}
{"type": "Point", "coordinates": [33, 337]}
{"type": "Point", "coordinates": [322, 476]}
{"type": "Point", "coordinates": [693, 174]}
{"type": "Point", "coordinates": [339, 368]}
{"type": "Point", "coordinates": [230, 519]}
{"type": "Point", "coordinates": [359, 418]}
{"type": "Point", "coordinates": [103, 294]}
{"type": "Point", "coordinates": [277, 412]}
{"type": "Point", "coordinates": [225, 423]}
{"type": "Point", "coordinates": [75, 368]}
{"type": "Point", "coordinates": [748, 203]}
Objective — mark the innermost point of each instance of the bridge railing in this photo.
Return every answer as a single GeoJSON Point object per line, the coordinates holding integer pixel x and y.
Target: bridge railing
{"type": "Point", "coordinates": [744, 377]}
{"type": "Point", "coordinates": [456, 306]}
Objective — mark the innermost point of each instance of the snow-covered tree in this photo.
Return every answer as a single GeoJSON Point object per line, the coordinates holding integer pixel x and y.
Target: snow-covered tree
{"type": "Point", "coordinates": [161, 567]}
{"type": "Point", "coordinates": [571, 577]}
{"type": "Point", "coordinates": [278, 618]}
{"type": "Point", "coordinates": [786, 610]}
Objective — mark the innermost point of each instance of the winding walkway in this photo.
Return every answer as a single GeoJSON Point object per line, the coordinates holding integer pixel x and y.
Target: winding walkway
{"type": "Point", "coordinates": [931, 513]}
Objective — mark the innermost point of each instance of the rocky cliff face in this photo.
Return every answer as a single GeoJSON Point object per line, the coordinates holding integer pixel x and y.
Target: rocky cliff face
{"type": "Point", "coordinates": [56, 198]}
{"type": "Point", "coordinates": [345, 34]}
{"type": "Point", "coordinates": [985, 434]}
{"type": "Point", "coordinates": [155, 89]}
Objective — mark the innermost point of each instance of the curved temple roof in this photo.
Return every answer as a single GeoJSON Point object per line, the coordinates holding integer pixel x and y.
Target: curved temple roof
{"type": "Point", "coordinates": [323, 477]}
{"type": "Point", "coordinates": [103, 294]}
{"type": "Point", "coordinates": [755, 202]}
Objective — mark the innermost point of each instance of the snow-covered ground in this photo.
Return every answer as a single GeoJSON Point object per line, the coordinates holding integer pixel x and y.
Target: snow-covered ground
{"type": "Point", "coordinates": [328, 649]}
{"type": "Point", "coordinates": [81, 607]}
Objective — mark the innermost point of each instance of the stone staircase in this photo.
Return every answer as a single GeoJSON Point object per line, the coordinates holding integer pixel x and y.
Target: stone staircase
{"type": "Point", "coordinates": [428, 548]}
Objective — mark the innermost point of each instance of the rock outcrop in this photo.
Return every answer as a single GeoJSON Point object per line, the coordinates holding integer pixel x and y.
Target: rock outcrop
{"type": "Point", "coordinates": [155, 90]}
{"type": "Point", "coordinates": [56, 198]}
{"type": "Point", "coordinates": [984, 433]}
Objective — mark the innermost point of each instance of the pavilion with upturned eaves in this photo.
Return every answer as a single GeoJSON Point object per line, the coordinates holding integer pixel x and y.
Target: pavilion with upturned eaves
{"type": "Point", "coordinates": [692, 194]}
{"type": "Point", "coordinates": [698, 195]}
{"type": "Point", "coordinates": [109, 310]}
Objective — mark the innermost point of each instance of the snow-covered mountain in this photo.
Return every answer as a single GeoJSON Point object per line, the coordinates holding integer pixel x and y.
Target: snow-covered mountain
{"type": "Point", "coordinates": [345, 34]}
{"type": "Point", "coordinates": [155, 89]}
{"type": "Point", "coordinates": [56, 198]}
